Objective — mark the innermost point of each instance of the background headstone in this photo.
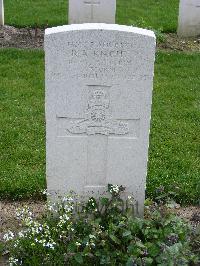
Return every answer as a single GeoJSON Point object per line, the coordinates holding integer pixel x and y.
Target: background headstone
{"type": "Point", "coordinates": [99, 81]}
{"type": "Point", "coordinates": [92, 11]}
{"type": "Point", "coordinates": [189, 18]}
{"type": "Point", "coordinates": [1, 13]}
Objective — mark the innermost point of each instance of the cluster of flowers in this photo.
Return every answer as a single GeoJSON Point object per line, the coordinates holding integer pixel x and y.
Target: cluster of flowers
{"type": "Point", "coordinates": [14, 261]}
{"type": "Point", "coordinates": [39, 233]}
{"type": "Point", "coordinates": [114, 189]}
{"type": "Point", "coordinates": [84, 236]}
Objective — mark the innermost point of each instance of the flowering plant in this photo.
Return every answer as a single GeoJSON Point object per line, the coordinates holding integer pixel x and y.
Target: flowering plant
{"type": "Point", "coordinates": [100, 232]}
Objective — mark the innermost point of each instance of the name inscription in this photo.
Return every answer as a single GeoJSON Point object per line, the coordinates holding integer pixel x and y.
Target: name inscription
{"type": "Point", "coordinates": [100, 60]}
{"type": "Point", "coordinates": [98, 53]}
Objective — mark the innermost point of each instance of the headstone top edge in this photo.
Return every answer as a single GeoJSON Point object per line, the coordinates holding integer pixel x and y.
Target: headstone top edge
{"type": "Point", "coordinates": [99, 26]}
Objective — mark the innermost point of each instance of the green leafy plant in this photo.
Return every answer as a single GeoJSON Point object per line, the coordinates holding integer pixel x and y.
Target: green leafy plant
{"type": "Point", "coordinates": [101, 232]}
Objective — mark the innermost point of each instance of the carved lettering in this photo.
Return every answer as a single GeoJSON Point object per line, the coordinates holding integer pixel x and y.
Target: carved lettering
{"type": "Point", "coordinates": [97, 53]}
{"type": "Point", "coordinates": [111, 45]}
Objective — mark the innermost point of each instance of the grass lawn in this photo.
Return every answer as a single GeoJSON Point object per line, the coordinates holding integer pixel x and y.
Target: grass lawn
{"type": "Point", "coordinates": [154, 13]}
{"type": "Point", "coordinates": [174, 149]}
{"type": "Point", "coordinates": [22, 132]}
{"type": "Point", "coordinates": [174, 144]}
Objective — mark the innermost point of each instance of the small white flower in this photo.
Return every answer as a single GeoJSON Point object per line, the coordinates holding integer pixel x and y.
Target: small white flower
{"type": "Point", "coordinates": [44, 192]}
{"type": "Point", "coordinates": [50, 208]}
{"type": "Point", "coordinates": [8, 236]}
{"type": "Point", "coordinates": [21, 234]}
{"type": "Point", "coordinates": [103, 242]}
{"type": "Point", "coordinates": [49, 244]}
{"type": "Point", "coordinates": [114, 188]}
{"type": "Point", "coordinates": [64, 199]}
{"type": "Point", "coordinates": [13, 261]}
{"type": "Point", "coordinates": [92, 236]}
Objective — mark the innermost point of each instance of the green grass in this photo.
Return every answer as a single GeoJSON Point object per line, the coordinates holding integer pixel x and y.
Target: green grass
{"type": "Point", "coordinates": [145, 13]}
{"type": "Point", "coordinates": [174, 149]}
{"type": "Point", "coordinates": [157, 14]}
{"type": "Point", "coordinates": [22, 123]}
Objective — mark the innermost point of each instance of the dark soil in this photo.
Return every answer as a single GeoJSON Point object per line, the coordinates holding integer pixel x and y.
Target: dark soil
{"type": "Point", "coordinates": [34, 39]}
{"type": "Point", "coordinates": [173, 43]}
{"type": "Point", "coordinates": [8, 219]}
{"type": "Point", "coordinates": [21, 38]}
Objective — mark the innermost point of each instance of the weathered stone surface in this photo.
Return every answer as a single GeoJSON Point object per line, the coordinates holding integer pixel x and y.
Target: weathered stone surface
{"type": "Point", "coordinates": [92, 11]}
{"type": "Point", "coordinates": [1, 13]}
{"type": "Point", "coordinates": [98, 105]}
{"type": "Point", "coordinates": [189, 18]}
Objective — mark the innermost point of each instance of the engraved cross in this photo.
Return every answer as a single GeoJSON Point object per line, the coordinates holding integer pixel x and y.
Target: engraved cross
{"type": "Point", "coordinates": [98, 126]}
{"type": "Point", "coordinates": [92, 3]}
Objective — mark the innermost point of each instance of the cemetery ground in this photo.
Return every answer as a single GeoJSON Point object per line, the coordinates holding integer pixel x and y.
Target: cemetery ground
{"type": "Point", "coordinates": [12, 37]}
{"type": "Point", "coordinates": [174, 143]}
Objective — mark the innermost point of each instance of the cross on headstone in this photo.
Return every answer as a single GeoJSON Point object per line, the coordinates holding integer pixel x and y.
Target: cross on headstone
{"type": "Point", "coordinates": [98, 105]}
{"type": "Point", "coordinates": [98, 121]}
{"type": "Point", "coordinates": [91, 11]}
{"type": "Point", "coordinates": [92, 3]}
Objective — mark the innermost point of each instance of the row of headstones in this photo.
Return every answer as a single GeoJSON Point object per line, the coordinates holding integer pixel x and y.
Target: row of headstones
{"type": "Point", "coordinates": [99, 80]}
{"type": "Point", "coordinates": [83, 11]}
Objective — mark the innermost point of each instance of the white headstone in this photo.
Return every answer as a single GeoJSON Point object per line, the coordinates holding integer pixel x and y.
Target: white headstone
{"type": "Point", "coordinates": [99, 81]}
{"type": "Point", "coordinates": [1, 13]}
{"type": "Point", "coordinates": [189, 18]}
{"type": "Point", "coordinates": [92, 11]}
